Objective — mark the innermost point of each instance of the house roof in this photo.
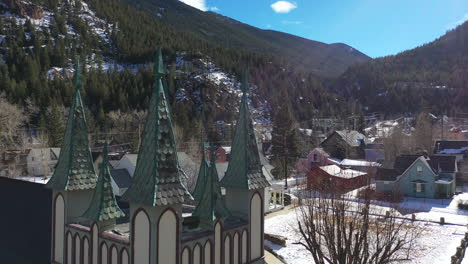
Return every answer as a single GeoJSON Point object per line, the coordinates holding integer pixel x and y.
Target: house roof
{"type": "Point", "coordinates": [403, 162]}
{"type": "Point", "coordinates": [443, 163]}
{"type": "Point", "coordinates": [157, 177]}
{"type": "Point", "coordinates": [75, 169]}
{"type": "Point", "coordinates": [336, 171]}
{"type": "Point", "coordinates": [358, 163]}
{"type": "Point", "coordinates": [245, 169]}
{"type": "Point", "coordinates": [121, 177]}
{"type": "Point", "coordinates": [451, 147]}
{"type": "Point", "coordinates": [384, 174]}
{"type": "Point", "coordinates": [351, 137]}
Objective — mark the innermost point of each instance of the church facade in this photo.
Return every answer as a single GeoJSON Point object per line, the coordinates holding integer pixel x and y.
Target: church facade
{"type": "Point", "coordinates": [88, 226]}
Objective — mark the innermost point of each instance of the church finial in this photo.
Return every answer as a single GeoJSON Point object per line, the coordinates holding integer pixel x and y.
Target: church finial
{"type": "Point", "coordinates": [158, 70]}
{"type": "Point", "coordinates": [245, 82]}
{"type": "Point", "coordinates": [77, 78]}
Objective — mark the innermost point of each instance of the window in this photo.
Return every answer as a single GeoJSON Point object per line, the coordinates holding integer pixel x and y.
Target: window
{"type": "Point", "coordinates": [315, 157]}
{"type": "Point", "coordinates": [420, 187]}
{"type": "Point", "coordinates": [419, 168]}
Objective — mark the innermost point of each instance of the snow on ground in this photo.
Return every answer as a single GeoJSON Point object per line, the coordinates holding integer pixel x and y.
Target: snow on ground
{"type": "Point", "coordinates": [436, 245]}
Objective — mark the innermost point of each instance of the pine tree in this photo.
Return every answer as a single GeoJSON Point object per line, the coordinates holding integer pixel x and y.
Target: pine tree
{"type": "Point", "coordinates": [55, 126]}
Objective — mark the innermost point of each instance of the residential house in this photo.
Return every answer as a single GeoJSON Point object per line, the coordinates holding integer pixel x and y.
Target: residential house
{"type": "Point", "coordinates": [419, 176]}
{"type": "Point", "coordinates": [120, 181]}
{"type": "Point", "coordinates": [317, 157]}
{"type": "Point", "coordinates": [223, 154]}
{"type": "Point", "coordinates": [334, 178]}
{"type": "Point", "coordinates": [343, 144]}
{"type": "Point", "coordinates": [41, 161]}
{"type": "Point", "coordinates": [460, 150]}
{"type": "Point", "coordinates": [370, 167]}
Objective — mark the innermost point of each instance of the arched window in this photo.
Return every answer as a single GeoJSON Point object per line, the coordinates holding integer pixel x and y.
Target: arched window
{"type": "Point", "coordinates": [227, 250]}
{"type": "Point", "coordinates": [69, 248]}
{"type": "Point", "coordinates": [104, 254]}
{"type": "Point", "coordinates": [235, 248]}
{"type": "Point", "coordinates": [197, 254]}
{"type": "Point", "coordinates": [186, 256]}
{"type": "Point", "coordinates": [86, 250]}
{"type": "Point", "coordinates": [218, 241]}
{"type": "Point", "coordinates": [77, 249]}
{"type": "Point", "coordinates": [244, 246]}
{"type": "Point", "coordinates": [114, 255]}
{"type": "Point", "coordinates": [207, 254]}
{"type": "Point", "coordinates": [124, 259]}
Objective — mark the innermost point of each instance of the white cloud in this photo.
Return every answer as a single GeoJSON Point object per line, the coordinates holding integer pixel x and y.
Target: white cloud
{"type": "Point", "coordinates": [283, 6]}
{"type": "Point", "coordinates": [459, 22]}
{"type": "Point", "coordinates": [214, 9]}
{"type": "Point", "coordinates": [268, 26]}
{"type": "Point", "coordinates": [289, 22]}
{"type": "Point", "coordinates": [198, 4]}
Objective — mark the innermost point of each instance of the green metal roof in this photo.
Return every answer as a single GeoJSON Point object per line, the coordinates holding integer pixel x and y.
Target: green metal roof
{"type": "Point", "coordinates": [157, 178]}
{"type": "Point", "coordinates": [75, 169]}
{"type": "Point", "coordinates": [202, 177]}
{"type": "Point", "coordinates": [244, 169]}
{"type": "Point", "coordinates": [103, 206]}
{"type": "Point", "coordinates": [211, 206]}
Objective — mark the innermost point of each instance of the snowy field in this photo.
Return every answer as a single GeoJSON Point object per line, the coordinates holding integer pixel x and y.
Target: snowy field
{"type": "Point", "coordinates": [435, 246]}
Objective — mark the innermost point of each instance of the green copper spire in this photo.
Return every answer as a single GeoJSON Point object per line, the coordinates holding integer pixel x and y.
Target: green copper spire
{"type": "Point", "coordinates": [75, 169]}
{"type": "Point", "coordinates": [103, 206]}
{"type": "Point", "coordinates": [211, 206]}
{"type": "Point", "coordinates": [158, 70]}
{"type": "Point", "coordinates": [77, 79]}
{"type": "Point", "coordinates": [202, 176]}
{"type": "Point", "coordinates": [244, 169]}
{"type": "Point", "coordinates": [157, 178]}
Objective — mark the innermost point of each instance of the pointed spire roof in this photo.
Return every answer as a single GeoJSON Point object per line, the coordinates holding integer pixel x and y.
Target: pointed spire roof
{"type": "Point", "coordinates": [103, 206]}
{"type": "Point", "coordinates": [244, 169]}
{"type": "Point", "coordinates": [75, 169]}
{"type": "Point", "coordinates": [157, 177]}
{"type": "Point", "coordinates": [211, 206]}
{"type": "Point", "coordinates": [202, 176]}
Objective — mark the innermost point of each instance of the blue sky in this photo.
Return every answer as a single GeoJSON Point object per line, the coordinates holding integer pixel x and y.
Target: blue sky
{"type": "Point", "coordinates": [375, 27]}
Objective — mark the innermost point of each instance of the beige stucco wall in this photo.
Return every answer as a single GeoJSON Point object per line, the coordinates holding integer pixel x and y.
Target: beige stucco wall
{"type": "Point", "coordinates": [256, 227]}
{"type": "Point", "coordinates": [59, 228]}
{"type": "Point", "coordinates": [167, 237]}
{"type": "Point", "coordinates": [141, 245]}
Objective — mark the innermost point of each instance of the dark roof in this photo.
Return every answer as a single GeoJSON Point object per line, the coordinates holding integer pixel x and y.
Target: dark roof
{"type": "Point", "coordinates": [386, 174]}
{"type": "Point", "coordinates": [450, 147]}
{"type": "Point", "coordinates": [403, 162]}
{"type": "Point", "coordinates": [442, 163]}
{"type": "Point", "coordinates": [121, 177]}
{"type": "Point", "coordinates": [375, 146]}
{"type": "Point", "coordinates": [351, 137]}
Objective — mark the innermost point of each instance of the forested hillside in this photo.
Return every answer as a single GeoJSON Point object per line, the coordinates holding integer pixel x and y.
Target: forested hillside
{"type": "Point", "coordinates": [433, 76]}
{"type": "Point", "coordinates": [41, 41]}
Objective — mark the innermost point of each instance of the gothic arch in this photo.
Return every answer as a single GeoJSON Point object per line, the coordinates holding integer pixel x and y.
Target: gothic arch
{"type": "Point", "coordinates": [227, 249]}
{"type": "Point", "coordinates": [186, 255]}
{"type": "Point", "coordinates": [256, 227]}
{"type": "Point", "coordinates": [114, 255]}
{"type": "Point", "coordinates": [245, 247]}
{"type": "Point", "coordinates": [69, 248]}
{"type": "Point", "coordinates": [104, 253]}
{"type": "Point", "coordinates": [58, 229]}
{"type": "Point", "coordinates": [218, 242]}
{"type": "Point", "coordinates": [168, 231]}
{"type": "Point", "coordinates": [235, 248]}
{"type": "Point", "coordinates": [77, 248]}
{"type": "Point", "coordinates": [86, 250]}
{"type": "Point", "coordinates": [197, 254]}
{"type": "Point", "coordinates": [208, 253]}
{"type": "Point", "coordinates": [141, 240]}
{"type": "Point", "coordinates": [95, 243]}
{"type": "Point", "coordinates": [124, 257]}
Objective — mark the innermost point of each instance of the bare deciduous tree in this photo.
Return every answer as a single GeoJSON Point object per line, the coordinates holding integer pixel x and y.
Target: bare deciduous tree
{"type": "Point", "coordinates": [12, 118]}
{"type": "Point", "coordinates": [336, 230]}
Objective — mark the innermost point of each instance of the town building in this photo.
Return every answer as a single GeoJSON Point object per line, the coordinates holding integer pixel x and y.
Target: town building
{"type": "Point", "coordinates": [42, 161]}
{"type": "Point", "coordinates": [336, 179]}
{"type": "Point", "coordinates": [343, 144]}
{"type": "Point", "coordinates": [89, 227]}
{"type": "Point", "coordinates": [419, 176]}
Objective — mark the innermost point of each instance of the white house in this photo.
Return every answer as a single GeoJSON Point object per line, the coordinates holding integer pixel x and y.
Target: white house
{"type": "Point", "coordinates": [41, 161]}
